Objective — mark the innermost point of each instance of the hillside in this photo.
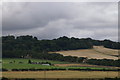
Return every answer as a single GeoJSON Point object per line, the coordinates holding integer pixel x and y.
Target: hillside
{"type": "Point", "coordinates": [30, 47]}
{"type": "Point", "coordinates": [98, 52]}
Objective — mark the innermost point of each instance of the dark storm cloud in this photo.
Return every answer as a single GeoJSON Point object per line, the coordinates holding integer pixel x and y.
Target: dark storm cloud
{"type": "Point", "coordinates": [51, 20]}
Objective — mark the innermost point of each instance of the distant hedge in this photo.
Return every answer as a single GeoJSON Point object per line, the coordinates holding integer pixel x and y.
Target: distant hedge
{"type": "Point", "coordinates": [63, 79]}
{"type": "Point", "coordinates": [77, 69]}
{"type": "Point", "coordinates": [3, 69]}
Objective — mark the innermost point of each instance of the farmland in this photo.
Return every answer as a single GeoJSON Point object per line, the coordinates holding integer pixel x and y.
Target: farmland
{"type": "Point", "coordinates": [61, 74]}
{"type": "Point", "coordinates": [98, 52]}
{"type": "Point", "coordinates": [57, 65]}
{"type": "Point", "coordinates": [7, 65]}
{"type": "Point", "coordinates": [61, 69]}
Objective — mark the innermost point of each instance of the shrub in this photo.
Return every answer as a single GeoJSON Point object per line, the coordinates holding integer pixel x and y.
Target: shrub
{"type": "Point", "coordinates": [3, 78]}
{"type": "Point", "coordinates": [3, 69]}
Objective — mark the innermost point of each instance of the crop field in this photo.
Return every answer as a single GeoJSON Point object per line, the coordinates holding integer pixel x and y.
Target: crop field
{"type": "Point", "coordinates": [98, 52]}
{"type": "Point", "coordinates": [61, 74]}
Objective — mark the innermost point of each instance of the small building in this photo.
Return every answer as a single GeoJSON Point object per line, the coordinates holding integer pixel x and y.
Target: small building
{"type": "Point", "coordinates": [46, 64]}
{"type": "Point", "coordinates": [41, 63]}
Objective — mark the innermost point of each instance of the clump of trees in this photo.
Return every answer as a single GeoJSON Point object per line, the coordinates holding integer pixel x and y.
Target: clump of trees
{"type": "Point", "coordinates": [22, 45]}
{"type": "Point", "coordinates": [104, 62]}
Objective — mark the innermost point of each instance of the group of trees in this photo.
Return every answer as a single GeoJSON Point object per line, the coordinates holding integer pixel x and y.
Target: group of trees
{"type": "Point", "coordinates": [106, 43]}
{"type": "Point", "coordinates": [104, 62]}
{"type": "Point", "coordinates": [19, 47]}
{"type": "Point", "coordinates": [58, 57]}
{"type": "Point", "coordinates": [22, 45]}
{"type": "Point", "coordinates": [32, 43]}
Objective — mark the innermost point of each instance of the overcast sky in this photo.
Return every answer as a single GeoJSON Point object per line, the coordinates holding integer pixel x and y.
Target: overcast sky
{"type": "Point", "coordinates": [48, 20]}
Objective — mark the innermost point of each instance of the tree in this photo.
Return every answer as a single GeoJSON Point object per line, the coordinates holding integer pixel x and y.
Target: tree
{"type": "Point", "coordinates": [29, 61]}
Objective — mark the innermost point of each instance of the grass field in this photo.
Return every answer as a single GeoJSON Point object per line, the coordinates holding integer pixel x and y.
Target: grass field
{"type": "Point", "coordinates": [7, 65]}
{"type": "Point", "coordinates": [61, 74]}
{"type": "Point", "coordinates": [98, 52]}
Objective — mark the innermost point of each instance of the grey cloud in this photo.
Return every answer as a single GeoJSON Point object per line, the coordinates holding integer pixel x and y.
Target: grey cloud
{"type": "Point", "coordinates": [31, 15]}
{"type": "Point", "coordinates": [52, 20]}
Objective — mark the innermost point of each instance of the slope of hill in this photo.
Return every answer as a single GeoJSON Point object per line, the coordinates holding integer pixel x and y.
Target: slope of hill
{"type": "Point", "coordinates": [15, 47]}
{"type": "Point", "coordinates": [98, 52]}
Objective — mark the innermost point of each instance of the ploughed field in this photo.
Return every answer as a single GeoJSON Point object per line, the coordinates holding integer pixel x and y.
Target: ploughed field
{"type": "Point", "coordinates": [98, 52]}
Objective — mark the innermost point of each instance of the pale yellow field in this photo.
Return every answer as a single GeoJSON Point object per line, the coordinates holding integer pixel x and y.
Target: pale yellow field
{"type": "Point", "coordinates": [85, 65]}
{"type": "Point", "coordinates": [98, 52]}
{"type": "Point", "coordinates": [60, 74]}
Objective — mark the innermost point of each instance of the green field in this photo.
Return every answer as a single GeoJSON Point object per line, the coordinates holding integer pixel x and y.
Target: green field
{"type": "Point", "coordinates": [24, 65]}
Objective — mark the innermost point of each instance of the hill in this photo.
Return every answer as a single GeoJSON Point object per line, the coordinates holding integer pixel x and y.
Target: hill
{"type": "Point", "coordinates": [98, 52]}
{"type": "Point", "coordinates": [30, 47]}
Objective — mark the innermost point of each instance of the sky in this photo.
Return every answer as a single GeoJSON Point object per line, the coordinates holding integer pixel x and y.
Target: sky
{"type": "Point", "coordinates": [48, 20]}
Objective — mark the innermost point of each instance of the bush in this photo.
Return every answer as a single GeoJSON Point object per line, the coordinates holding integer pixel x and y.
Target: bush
{"type": "Point", "coordinates": [3, 69]}
{"type": "Point", "coordinates": [15, 69]}
{"type": "Point", "coordinates": [3, 78]}
{"type": "Point", "coordinates": [29, 62]}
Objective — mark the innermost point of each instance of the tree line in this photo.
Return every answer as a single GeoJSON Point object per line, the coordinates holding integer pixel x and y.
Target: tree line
{"type": "Point", "coordinates": [62, 43]}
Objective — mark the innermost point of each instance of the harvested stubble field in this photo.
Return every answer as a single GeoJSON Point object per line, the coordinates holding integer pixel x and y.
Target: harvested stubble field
{"type": "Point", "coordinates": [98, 52]}
{"type": "Point", "coordinates": [60, 74]}
{"type": "Point", "coordinates": [85, 65]}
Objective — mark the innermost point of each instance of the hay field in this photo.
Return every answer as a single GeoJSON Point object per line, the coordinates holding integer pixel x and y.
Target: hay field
{"type": "Point", "coordinates": [98, 52]}
{"type": "Point", "coordinates": [60, 74]}
{"type": "Point", "coordinates": [85, 65]}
